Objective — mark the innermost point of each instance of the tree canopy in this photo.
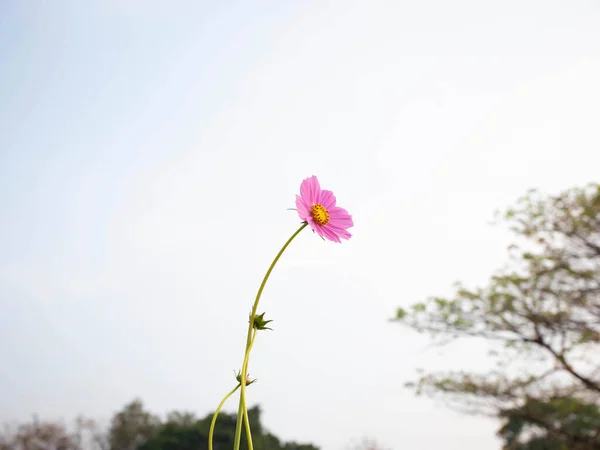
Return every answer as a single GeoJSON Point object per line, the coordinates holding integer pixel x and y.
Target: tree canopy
{"type": "Point", "coordinates": [135, 428]}
{"type": "Point", "coordinates": [132, 426]}
{"type": "Point", "coordinates": [544, 308]}
{"type": "Point", "coordinates": [184, 432]}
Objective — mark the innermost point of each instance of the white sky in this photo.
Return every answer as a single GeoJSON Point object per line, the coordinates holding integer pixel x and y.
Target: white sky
{"type": "Point", "coordinates": [149, 153]}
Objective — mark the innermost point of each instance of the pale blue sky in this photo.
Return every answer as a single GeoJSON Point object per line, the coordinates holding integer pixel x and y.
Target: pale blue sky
{"type": "Point", "coordinates": [149, 151]}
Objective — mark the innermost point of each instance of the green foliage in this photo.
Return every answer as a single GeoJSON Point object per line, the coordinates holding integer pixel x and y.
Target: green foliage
{"type": "Point", "coordinates": [132, 426]}
{"type": "Point", "coordinates": [555, 424]}
{"type": "Point", "coordinates": [184, 432]}
{"type": "Point", "coordinates": [137, 429]}
{"type": "Point", "coordinates": [545, 308]}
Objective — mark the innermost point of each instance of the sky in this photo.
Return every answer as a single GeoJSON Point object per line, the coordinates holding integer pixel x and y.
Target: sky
{"type": "Point", "coordinates": [149, 151]}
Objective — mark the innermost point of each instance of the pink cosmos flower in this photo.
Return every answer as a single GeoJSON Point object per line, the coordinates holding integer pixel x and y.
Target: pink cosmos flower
{"type": "Point", "coordinates": [317, 207]}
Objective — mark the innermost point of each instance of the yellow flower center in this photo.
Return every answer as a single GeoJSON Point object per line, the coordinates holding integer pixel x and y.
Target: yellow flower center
{"type": "Point", "coordinates": [320, 214]}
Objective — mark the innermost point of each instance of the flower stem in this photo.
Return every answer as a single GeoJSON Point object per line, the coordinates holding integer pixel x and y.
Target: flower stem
{"type": "Point", "coordinates": [247, 424]}
{"type": "Point", "coordinates": [244, 406]}
{"type": "Point", "coordinates": [214, 419]}
{"type": "Point", "coordinates": [238, 428]}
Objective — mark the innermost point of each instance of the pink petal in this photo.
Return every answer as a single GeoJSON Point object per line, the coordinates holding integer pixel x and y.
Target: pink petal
{"type": "Point", "coordinates": [303, 209]}
{"type": "Point", "coordinates": [310, 190]}
{"type": "Point", "coordinates": [328, 233]}
{"type": "Point", "coordinates": [344, 234]}
{"type": "Point", "coordinates": [340, 218]}
{"type": "Point", "coordinates": [327, 199]}
{"type": "Point", "coordinates": [318, 228]}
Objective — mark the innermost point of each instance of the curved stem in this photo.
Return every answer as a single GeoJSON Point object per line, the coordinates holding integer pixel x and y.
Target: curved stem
{"type": "Point", "coordinates": [214, 419]}
{"type": "Point", "coordinates": [238, 428]}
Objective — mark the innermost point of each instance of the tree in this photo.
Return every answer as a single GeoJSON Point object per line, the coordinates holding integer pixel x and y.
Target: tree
{"type": "Point", "coordinates": [544, 309]}
{"type": "Point", "coordinates": [45, 435]}
{"type": "Point", "coordinates": [567, 424]}
{"type": "Point", "coordinates": [132, 426]}
{"type": "Point", "coordinates": [188, 434]}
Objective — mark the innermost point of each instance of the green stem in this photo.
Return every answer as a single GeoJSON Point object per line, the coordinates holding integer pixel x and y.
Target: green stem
{"type": "Point", "coordinates": [243, 412]}
{"type": "Point", "coordinates": [214, 419]}
{"type": "Point", "coordinates": [238, 428]}
{"type": "Point", "coordinates": [247, 424]}
{"type": "Point", "coordinates": [245, 407]}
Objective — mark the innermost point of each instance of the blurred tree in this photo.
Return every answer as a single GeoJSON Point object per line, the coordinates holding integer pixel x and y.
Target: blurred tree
{"type": "Point", "coordinates": [180, 432]}
{"type": "Point", "coordinates": [37, 435]}
{"type": "Point", "coordinates": [545, 311]}
{"type": "Point", "coordinates": [556, 424]}
{"type": "Point", "coordinates": [181, 418]}
{"type": "Point", "coordinates": [132, 426]}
